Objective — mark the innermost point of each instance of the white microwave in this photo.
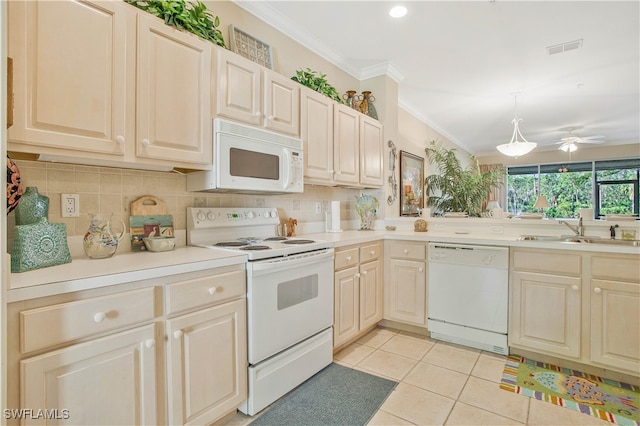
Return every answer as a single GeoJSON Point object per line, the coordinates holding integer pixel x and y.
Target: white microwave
{"type": "Point", "coordinates": [250, 160]}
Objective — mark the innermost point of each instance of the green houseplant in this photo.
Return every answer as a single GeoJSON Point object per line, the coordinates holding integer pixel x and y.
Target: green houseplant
{"type": "Point", "coordinates": [318, 82]}
{"type": "Point", "coordinates": [455, 188]}
{"type": "Point", "coordinates": [192, 17]}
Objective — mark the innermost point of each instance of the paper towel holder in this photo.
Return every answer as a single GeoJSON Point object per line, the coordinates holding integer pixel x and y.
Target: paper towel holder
{"type": "Point", "coordinates": [329, 218]}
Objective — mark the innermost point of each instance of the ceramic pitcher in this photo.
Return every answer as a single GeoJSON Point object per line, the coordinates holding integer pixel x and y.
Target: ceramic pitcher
{"type": "Point", "coordinates": [100, 241]}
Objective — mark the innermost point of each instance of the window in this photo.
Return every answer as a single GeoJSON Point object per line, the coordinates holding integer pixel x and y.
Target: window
{"type": "Point", "coordinates": [610, 187]}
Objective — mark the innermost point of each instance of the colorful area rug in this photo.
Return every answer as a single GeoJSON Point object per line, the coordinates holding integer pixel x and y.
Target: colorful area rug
{"type": "Point", "coordinates": [606, 399]}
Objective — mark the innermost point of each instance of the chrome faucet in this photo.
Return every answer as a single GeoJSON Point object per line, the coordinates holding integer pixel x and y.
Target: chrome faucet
{"type": "Point", "coordinates": [578, 230]}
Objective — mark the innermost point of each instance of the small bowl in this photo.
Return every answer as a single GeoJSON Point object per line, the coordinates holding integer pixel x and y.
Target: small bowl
{"type": "Point", "coordinates": [390, 228]}
{"type": "Point", "coordinates": [160, 243]}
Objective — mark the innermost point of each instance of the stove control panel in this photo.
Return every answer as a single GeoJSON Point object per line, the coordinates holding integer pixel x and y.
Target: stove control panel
{"type": "Point", "coordinates": [219, 217]}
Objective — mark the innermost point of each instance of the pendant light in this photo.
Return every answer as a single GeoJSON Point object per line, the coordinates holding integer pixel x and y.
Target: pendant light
{"type": "Point", "coordinates": [516, 147]}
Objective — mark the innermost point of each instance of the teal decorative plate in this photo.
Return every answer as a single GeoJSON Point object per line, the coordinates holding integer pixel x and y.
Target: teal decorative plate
{"type": "Point", "coordinates": [39, 245]}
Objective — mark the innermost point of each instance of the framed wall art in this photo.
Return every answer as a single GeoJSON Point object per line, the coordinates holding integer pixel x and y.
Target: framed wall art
{"type": "Point", "coordinates": [412, 184]}
{"type": "Point", "coordinates": [250, 47]}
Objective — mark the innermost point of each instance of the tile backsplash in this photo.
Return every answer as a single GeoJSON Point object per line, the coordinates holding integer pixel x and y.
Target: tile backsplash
{"type": "Point", "coordinates": [110, 191]}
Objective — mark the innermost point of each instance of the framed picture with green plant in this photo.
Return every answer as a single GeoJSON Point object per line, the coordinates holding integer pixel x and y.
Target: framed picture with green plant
{"type": "Point", "coordinates": [455, 188]}
{"type": "Point", "coordinates": [318, 82]}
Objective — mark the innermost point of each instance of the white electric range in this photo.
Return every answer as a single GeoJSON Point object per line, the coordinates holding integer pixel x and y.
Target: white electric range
{"type": "Point", "coordinates": [289, 296]}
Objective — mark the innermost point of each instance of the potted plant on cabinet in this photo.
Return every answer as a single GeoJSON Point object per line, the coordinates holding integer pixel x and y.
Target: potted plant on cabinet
{"type": "Point", "coordinates": [192, 17]}
{"type": "Point", "coordinates": [456, 188]}
{"type": "Point", "coordinates": [318, 82]}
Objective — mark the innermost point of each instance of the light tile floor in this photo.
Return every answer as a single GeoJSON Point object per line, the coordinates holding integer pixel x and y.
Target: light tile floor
{"type": "Point", "coordinates": [442, 384]}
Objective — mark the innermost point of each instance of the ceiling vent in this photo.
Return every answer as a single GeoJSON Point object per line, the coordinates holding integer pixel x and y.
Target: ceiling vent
{"type": "Point", "coordinates": [564, 47]}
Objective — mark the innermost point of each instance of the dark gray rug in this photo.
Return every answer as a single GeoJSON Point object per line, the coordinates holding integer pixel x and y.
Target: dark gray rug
{"type": "Point", "coordinates": [335, 396]}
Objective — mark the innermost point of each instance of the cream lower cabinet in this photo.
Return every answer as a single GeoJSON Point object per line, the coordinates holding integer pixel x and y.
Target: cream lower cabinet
{"type": "Point", "coordinates": [100, 82]}
{"type": "Point", "coordinates": [255, 95]}
{"type": "Point", "coordinates": [615, 312]}
{"type": "Point", "coordinates": [358, 291]}
{"type": "Point", "coordinates": [405, 288]}
{"type": "Point", "coordinates": [546, 301]}
{"type": "Point", "coordinates": [579, 306]}
{"type": "Point", "coordinates": [206, 348]}
{"type": "Point", "coordinates": [108, 381]}
{"type": "Point", "coordinates": [99, 356]}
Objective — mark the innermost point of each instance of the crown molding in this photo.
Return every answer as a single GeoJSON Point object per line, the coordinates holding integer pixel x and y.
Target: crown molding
{"type": "Point", "coordinates": [270, 16]}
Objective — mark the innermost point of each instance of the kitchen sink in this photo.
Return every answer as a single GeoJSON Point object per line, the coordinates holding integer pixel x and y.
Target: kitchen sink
{"type": "Point", "coordinates": [579, 239]}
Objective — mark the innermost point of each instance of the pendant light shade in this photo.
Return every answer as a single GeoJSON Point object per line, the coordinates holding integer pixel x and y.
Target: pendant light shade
{"type": "Point", "coordinates": [518, 145]}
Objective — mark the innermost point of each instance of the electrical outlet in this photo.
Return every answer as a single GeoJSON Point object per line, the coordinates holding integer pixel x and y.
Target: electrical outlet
{"type": "Point", "coordinates": [318, 207]}
{"type": "Point", "coordinates": [70, 205]}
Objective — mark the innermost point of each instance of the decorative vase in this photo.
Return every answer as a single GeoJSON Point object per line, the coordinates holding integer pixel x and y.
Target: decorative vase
{"type": "Point", "coordinates": [367, 209]}
{"type": "Point", "coordinates": [99, 241]}
{"type": "Point", "coordinates": [33, 207]}
{"type": "Point", "coordinates": [348, 98]}
{"type": "Point", "coordinates": [366, 106]}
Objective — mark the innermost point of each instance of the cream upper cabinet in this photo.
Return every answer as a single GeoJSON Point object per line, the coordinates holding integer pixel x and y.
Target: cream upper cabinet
{"type": "Point", "coordinates": [371, 151]}
{"type": "Point", "coordinates": [316, 131]}
{"type": "Point", "coordinates": [104, 81]}
{"type": "Point", "coordinates": [357, 149]}
{"type": "Point", "coordinates": [346, 145]}
{"type": "Point", "coordinates": [615, 312]}
{"type": "Point", "coordinates": [250, 93]}
{"type": "Point", "coordinates": [173, 94]}
{"type": "Point", "coordinates": [405, 292]}
{"type": "Point", "coordinates": [70, 74]}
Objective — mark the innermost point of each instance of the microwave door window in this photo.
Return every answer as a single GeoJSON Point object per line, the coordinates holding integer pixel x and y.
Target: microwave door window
{"type": "Point", "coordinates": [253, 164]}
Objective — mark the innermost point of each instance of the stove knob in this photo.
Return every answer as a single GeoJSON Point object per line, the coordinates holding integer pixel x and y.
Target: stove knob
{"type": "Point", "coordinates": [274, 213]}
{"type": "Point", "coordinates": [211, 216]}
{"type": "Point", "coordinates": [250, 215]}
{"type": "Point", "coordinates": [200, 215]}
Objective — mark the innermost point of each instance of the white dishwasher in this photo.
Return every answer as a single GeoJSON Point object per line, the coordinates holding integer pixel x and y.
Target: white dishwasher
{"type": "Point", "coordinates": [468, 295]}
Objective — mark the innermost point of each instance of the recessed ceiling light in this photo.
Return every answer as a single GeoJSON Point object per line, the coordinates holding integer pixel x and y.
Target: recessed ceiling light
{"type": "Point", "coordinates": [398, 11]}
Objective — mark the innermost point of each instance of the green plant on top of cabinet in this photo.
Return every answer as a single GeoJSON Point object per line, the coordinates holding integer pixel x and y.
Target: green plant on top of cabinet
{"type": "Point", "coordinates": [192, 17]}
{"type": "Point", "coordinates": [318, 82]}
{"type": "Point", "coordinates": [97, 82]}
{"type": "Point", "coordinates": [253, 94]}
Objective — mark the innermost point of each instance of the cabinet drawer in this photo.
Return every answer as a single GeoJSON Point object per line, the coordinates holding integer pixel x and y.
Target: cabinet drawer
{"type": "Point", "coordinates": [205, 291]}
{"type": "Point", "coordinates": [547, 262]}
{"type": "Point", "coordinates": [370, 252]}
{"type": "Point", "coordinates": [346, 258]}
{"type": "Point", "coordinates": [52, 325]}
{"type": "Point", "coordinates": [620, 267]}
{"type": "Point", "coordinates": [407, 251]}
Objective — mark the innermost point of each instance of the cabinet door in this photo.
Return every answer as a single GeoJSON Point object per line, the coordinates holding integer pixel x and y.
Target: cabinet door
{"type": "Point", "coordinates": [173, 96]}
{"type": "Point", "coordinates": [545, 313]}
{"type": "Point", "coordinates": [239, 90]}
{"type": "Point", "coordinates": [281, 104]}
{"type": "Point", "coordinates": [207, 363]}
{"type": "Point", "coordinates": [316, 130]}
{"type": "Point", "coordinates": [371, 149]}
{"type": "Point", "coordinates": [108, 381]}
{"type": "Point", "coordinates": [69, 76]}
{"type": "Point", "coordinates": [615, 324]}
{"type": "Point", "coordinates": [370, 294]}
{"type": "Point", "coordinates": [347, 300]}
{"type": "Point", "coordinates": [407, 290]}
{"type": "Point", "coordinates": [346, 145]}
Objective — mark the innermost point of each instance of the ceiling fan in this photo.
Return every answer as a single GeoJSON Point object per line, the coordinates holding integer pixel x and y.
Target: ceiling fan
{"type": "Point", "coordinates": [569, 142]}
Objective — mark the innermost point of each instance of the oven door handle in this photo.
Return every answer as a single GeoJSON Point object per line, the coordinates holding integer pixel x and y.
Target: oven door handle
{"type": "Point", "coordinates": [293, 261]}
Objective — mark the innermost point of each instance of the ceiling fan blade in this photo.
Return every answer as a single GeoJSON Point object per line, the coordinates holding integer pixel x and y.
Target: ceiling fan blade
{"type": "Point", "coordinates": [592, 141]}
